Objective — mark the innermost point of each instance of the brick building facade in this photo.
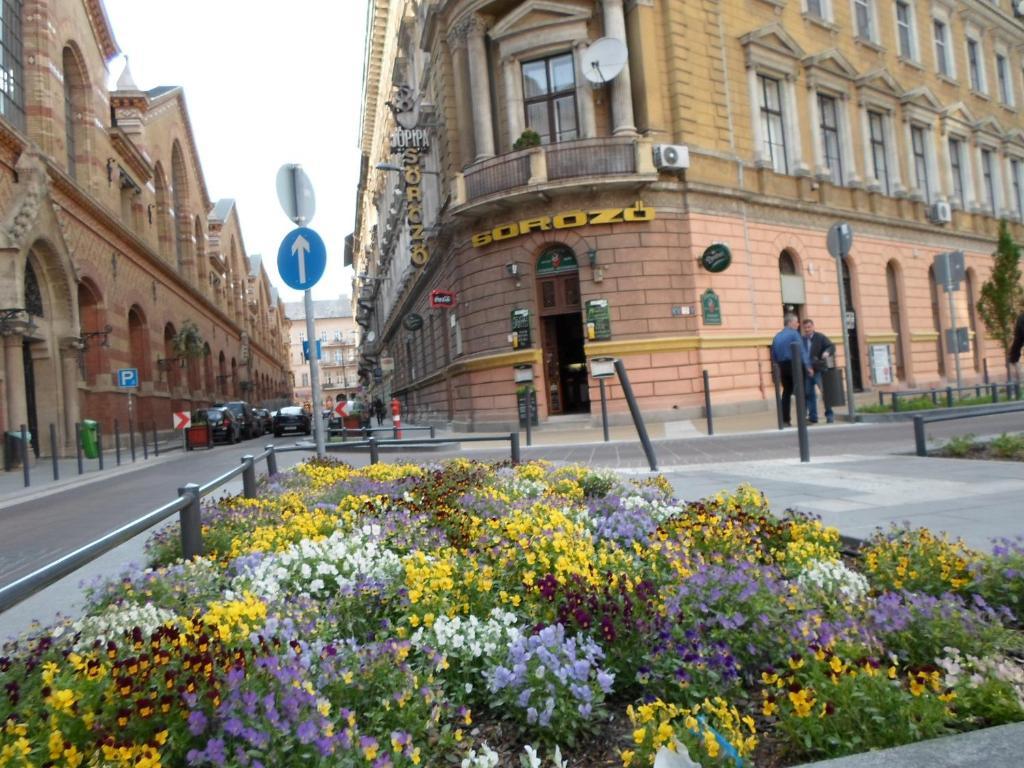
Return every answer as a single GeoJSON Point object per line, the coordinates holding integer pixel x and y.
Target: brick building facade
{"type": "Point", "coordinates": [901, 117]}
{"type": "Point", "coordinates": [111, 245]}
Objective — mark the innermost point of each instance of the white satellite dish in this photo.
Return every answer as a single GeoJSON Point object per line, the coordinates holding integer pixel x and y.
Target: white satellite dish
{"type": "Point", "coordinates": [604, 60]}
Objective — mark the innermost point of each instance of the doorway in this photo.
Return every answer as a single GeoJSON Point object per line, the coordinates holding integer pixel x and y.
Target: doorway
{"type": "Point", "coordinates": [30, 396]}
{"type": "Point", "coordinates": [561, 323]}
{"type": "Point", "coordinates": [851, 329]}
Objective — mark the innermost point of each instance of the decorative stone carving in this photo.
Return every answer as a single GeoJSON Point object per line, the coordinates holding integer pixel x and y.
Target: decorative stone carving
{"type": "Point", "coordinates": [32, 176]}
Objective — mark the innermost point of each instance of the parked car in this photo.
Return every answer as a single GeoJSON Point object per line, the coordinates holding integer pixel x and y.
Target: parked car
{"type": "Point", "coordinates": [292, 419]}
{"type": "Point", "coordinates": [257, 423]}
{"type": "Point", "coordinates": [242, 412]}
{"type": "Point", "coordinates": [266, 420]}
{"type": "Point", "coordinates": [224, 428]}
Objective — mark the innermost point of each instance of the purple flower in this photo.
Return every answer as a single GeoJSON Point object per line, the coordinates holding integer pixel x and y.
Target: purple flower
{"type": "Point", "coordinates": [197, 722]}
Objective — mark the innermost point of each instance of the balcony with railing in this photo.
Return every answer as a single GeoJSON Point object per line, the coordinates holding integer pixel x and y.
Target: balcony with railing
{"type": "Point", "coordinates": [606, 160]}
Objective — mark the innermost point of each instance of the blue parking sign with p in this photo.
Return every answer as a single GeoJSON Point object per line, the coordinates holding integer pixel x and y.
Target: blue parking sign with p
{"type": "Point", "coordinates": [128, 377]}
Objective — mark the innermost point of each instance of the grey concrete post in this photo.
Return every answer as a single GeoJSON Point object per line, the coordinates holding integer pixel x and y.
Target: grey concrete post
{"type": "Point", "coordinates": [271, 460]}
{"type": "Point", "coordinates": [249, 477]}
{"type": "Point", "coordinates": [191, 523]}
{"type": "Point", "coordinates": [514, 440]}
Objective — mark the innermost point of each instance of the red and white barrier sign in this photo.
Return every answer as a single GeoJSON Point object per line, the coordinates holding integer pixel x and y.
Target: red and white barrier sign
{"type": "Point", "coordinates": [342, 408]}
{"type": "Point", "coordinates": [182, 419]}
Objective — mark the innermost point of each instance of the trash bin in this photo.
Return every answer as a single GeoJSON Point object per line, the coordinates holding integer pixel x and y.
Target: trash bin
{"type": "Point", "coordinates": [832, 387]}
{"type": "Point", "coordinates": [89, 441]}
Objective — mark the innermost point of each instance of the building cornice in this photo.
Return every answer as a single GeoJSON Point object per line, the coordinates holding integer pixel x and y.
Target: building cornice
{"type": "Point", "coordinates": [131, 154]}
{"type": "Point", "coordinates": [101, 29]}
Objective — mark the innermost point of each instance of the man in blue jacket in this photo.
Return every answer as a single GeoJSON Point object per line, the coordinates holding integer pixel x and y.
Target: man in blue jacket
{"type": "Point", "coordinates": [782, 357]}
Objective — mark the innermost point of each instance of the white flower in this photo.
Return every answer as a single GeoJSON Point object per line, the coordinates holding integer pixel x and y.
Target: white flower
{"type": "Point", "coordinates": [530, 759]}
{"type": "Point", "coordinates": [116, 620]}
{"type": "Point", "coordinates": [834, 578]}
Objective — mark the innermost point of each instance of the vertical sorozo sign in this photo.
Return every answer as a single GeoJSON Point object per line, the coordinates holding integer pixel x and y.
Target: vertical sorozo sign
{"type": "Point", "coordinates": [301, 260]}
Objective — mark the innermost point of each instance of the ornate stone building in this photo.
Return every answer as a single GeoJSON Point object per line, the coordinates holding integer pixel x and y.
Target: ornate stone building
{"type": "Point", "coordinates": [679, 194]}
{"type": "Point", "coordinates": [335, 329]}
{"type": "Point", "coordinates": [111, 251]}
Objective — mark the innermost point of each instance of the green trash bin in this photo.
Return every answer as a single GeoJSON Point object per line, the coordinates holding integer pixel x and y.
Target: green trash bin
{"type": "Point", "coordinates": [89, 442]}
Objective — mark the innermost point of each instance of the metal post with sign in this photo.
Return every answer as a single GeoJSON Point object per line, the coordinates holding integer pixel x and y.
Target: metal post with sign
{"type": "Point", "coordinates": [949, 271]}
{"type": "Point", "coordinates": [602, 368]}
{"type": "Point", "coordinates": [839, 242]}
{"type": "Point", "coordinates": [301, 260]}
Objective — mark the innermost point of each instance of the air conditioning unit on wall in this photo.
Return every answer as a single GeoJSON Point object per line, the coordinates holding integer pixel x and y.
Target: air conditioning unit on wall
{"type": "Point", "coordinates": [1018, 8]}
{"type": "Point", "coordinates": [671, 157]}
{"type": "Point", "coordinates": [940, 213]}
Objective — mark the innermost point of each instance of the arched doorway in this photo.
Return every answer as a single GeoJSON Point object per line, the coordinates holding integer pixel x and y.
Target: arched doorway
{"type": "Point", "coordinates": [851, 328]}
{"type": "Point", "coordinates": [222, 376]}
{"type": "Point", "coordinates": [791, 280]}
{"type": "Point", "coordinates": [208, 381]}
{"type": "Point", "coordinates": [940, 354]}
{"type": "Point", "coordinates": [561, 330]}
{"type": "Point", "coordinates": [91, 319]}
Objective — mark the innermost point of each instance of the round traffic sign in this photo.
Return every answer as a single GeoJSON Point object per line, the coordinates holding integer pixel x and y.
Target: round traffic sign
{"type": "Point", "coordinates": [302, 258]}
{"type": "Point", "coordinates": [295, 193]}
{"type": "Point", "coordinates": [839, 240]}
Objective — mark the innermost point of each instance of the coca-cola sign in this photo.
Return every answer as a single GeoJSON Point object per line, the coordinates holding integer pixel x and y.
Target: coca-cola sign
{"type": "Point", "coordinates": [442, 299]}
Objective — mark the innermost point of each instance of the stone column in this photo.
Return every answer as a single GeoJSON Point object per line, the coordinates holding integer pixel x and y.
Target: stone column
{"type": "Point", "coordinates": [513, 98]}
{"type": "Point", "coordinates": [480, 88]}
{"type": "Point", "coordinates": [457, 47]}
{"type": "Point", "coordinates": [584, 95]}
{"type": "Point", "coordinates": [761, 159]}
{"type": "Point", "coordinates": [622, 87]}
{"type": "Point", "coordinates": [70, 349]}
{"type": "Point", "coordinates": [14, 379]}
{"type": "Point", "coordinates": [821, 171]}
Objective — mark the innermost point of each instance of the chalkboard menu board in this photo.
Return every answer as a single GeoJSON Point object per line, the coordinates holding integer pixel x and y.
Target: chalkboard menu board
{"type": "Point", "coordinates": [521, 328]}
{"type": "Point", "coordinates": [524, 399]}
{"type": "Point", "coordinates": [599, 322]}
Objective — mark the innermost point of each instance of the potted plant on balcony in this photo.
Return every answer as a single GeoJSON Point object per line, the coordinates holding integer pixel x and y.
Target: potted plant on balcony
{"type": "Point", "coordinates": [528, 138]}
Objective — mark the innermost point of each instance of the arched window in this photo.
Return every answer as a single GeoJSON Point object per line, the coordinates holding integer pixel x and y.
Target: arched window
{"type": "Point", "coordinates": [171, 366]}
{"type": "Point", "coordinates": [792, 283]}
{"type": "Point", "coordinates": [164, 230]}
{"type": "Point", "coordinates": [179, 215]}
{"type": "Point", "coordinates": [222, 376]}
{"type": "Point", "coordinates": [138, 338]}
{"type": "Point", "coordinates": [75, 111]}
{"type": "Point", "coordinates": [940, 355]}
{"type": "Point", "coordinates": [200, 248]}
{"type": "Point", "coordinates": [208, 381]}
{"type": "Point", "coordinates": [90, 320]}
{"type": "Point", "coordinates": [33, 296]}
{"type": "Point", "coordinates": [892, 284]}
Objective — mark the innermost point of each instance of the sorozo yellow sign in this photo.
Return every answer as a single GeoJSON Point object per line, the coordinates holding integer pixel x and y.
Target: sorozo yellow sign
{"type": "Point", "coordinates": [564, 220]}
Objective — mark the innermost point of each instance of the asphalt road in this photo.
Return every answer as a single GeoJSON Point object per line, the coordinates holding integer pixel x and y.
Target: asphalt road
{"type": "Point", "coordinates": [36, 532]}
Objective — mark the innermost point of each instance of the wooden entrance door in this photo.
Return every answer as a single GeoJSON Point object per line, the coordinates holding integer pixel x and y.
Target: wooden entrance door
{"type": "Point", "coordinates": [559, 302]}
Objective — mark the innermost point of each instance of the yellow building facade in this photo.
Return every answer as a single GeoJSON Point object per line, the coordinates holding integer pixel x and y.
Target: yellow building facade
{"type": "Point", "coordinates": [664, 197]}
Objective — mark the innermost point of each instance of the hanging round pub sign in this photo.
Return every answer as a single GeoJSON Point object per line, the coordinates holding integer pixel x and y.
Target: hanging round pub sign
{"type": "Point", "coordinates": [412, 322]}
{"type": "Point", "coordinates": [716, 257]}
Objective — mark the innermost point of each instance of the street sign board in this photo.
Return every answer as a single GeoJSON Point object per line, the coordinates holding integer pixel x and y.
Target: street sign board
{"type": "Point", "coordinates": [839, 239]}
{"type": "Point", "coordinates": [302, 258]}
{"type": "Point", "coordinates": [342, 408]}
{"type": "Point", "coordinates": [128, 377]}
{"type": "Point", "coordinates": [295, 193]}
{"type": "Point", "coordinates": [949, 269]}
{"type": "Point", "coordinates": [305, 350]}
{"type": "Point", "coordinates": [387, 364]}
{"type": "Point", "coordinates": [442, 299]}
{"type": "Point", "coordinates": [182, 419]}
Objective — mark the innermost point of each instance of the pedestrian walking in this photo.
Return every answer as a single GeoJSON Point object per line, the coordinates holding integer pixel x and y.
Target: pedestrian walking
{"type": "Point", "coordinates": [378, 410]}
{"type": "Point", "coordinates": [782, 357]}
{"type": "Point", "coordinates": [1013, 359]}
{"type": "Point", "coordinates": [822, 353]}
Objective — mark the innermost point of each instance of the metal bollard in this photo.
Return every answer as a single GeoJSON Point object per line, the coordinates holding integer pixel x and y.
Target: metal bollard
{"type": "Point", "coordinates": [707, 402]}
{"type": "Point", "coordinates": [249, 477]}
{"type": "Point", "coordinates": [191, 522]}
{"type": "Point", "coordinates": [995, 393]}
{"type": "Point", "coordinates": [78, 446]}
{"type": "Point", "coordinates": [604, 409]}
{"type": "Point", "coordinates": [99, 443]}
{"type": "Point", "coordinates": [895, 402]}
{"type": "Point", "coordinates": [778, 394]}
{"type": "Point", "coordinates": [24, 455]}
{"type": "Point", "coordinates": [156, 441]}
{"type": "Point", "coordinates": [131, 438]}
{"type": "Point", "coordinates": [514, 441]}
{"type": "Point", "coordinates": [53, 452]}
{"type": "Point", "coordinates": [271, 460]}
{"type": "Point", "coordinates": [984, 364]}
{"type": "Point", "coordinates": [799, 374]}
{"type": "Point", "coordinates": [117, 442]}
{"type": "Point", "coordinates": [145, 445]}
{"type": "Point", "coordinates": [433, 432]}
{"type": "Point", "coordinates": [949, 397]}
{"type": "Point", "coordinates": [919, 437]}
{"type": "Point", "coordinates": [529, 417]}
{"type": "Point", "coordinates": [881, 398]}
{"type": "Point", "coordinates": [634, 410]}
{"type": "Point", "coordinates": [344, 433]}
{"type": "Point", "coordinates": [374, 457]}
{"type": "Point", "coordinates": [935, 396]}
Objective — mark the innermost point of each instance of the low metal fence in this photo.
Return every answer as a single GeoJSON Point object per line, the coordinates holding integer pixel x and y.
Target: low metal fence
{"type": "Point", "coordinates": [366, 432]}
{"type": "Point", "coordinates": [1011, 391]}
{"type": "Point", "coordinates": [920, 440]}
{"type": "Point", "coordinates": [187, 505]}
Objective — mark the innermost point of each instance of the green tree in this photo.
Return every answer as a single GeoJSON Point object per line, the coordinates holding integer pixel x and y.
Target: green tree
{"type": "Point", "coordinates": [188, 343]}
{"type": "Point", "coordinates": [1002, 296]}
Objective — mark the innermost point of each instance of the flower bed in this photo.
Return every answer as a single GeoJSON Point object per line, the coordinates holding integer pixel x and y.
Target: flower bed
{"type": "Point", "coordinates": [477, 615]}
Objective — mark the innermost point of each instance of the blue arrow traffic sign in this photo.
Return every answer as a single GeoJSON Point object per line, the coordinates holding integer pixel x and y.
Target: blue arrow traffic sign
{"type": "Point", "coordinates": [302, 258]}
{"type": "Point", "coordinates": [128, 377]}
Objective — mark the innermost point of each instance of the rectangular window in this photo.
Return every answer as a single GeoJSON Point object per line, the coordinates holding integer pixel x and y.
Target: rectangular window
{"type": "Point", "coordinates": [974, 64]}
{"type": "Point", "coordinates": [942, 48]}
{"type": "Point", "coordinates": [1003, 75]}
{"type": "Point", "coordinates": [305, 379]}
{"type": "Point", "coordinates": [12, 74]}
{"type": "Point", "coordinates": [814, 8]}
{"type": "Point", "coordinates": [1016, 168]}
{"type": "Point", "coordinates": [862, 12]}
{"type": "Point", "coordinates": [879, 153]}
{"type": "Point", "coordinates": [549, 88]}
{"type": "Point", "coordinates": [956, 165]}
{"type": "Point", "coordinates": [828, 112]}
{"type": "Point", "coordinates": [904, 28]}
{"type": "Point", "coordinates": [772, 127]}
{"type": "Point", "coordinates": [918, 146]}
{"type": "Point", "coordinates": [988, 180]}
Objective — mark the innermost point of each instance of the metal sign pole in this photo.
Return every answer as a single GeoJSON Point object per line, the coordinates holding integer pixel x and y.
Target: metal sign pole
{"type": "Point", "coordinates": [953, 336]}
{"type": "Point", "coordinates": [851, 408]}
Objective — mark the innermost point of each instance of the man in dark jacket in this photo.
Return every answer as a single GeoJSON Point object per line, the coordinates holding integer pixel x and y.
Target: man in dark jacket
{"type": "Point", "coordinates": [821, 350]}
{"type": "Point", "coordinates": [782, 357]}
{"type": "Point", "coordinates": [1015, 347]}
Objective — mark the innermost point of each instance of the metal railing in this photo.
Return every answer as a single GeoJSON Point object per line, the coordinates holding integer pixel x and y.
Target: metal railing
{"type": "Point", "coordinates": [920, 439]}
{"type": "Point", "coordinates": [497, 175]}
{"type": "Point", "coordinates": [366, 432]}
{"type": "Point", "coordinates": [1011, 391]}
{"type": "Point", "coordinates": [187, 505]}
{"type": "Point", "coordinates": [591, 157]}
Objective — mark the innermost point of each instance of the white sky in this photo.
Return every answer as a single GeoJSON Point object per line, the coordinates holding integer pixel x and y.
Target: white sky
{"type": "Point", "coordinates": [266, 83]}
